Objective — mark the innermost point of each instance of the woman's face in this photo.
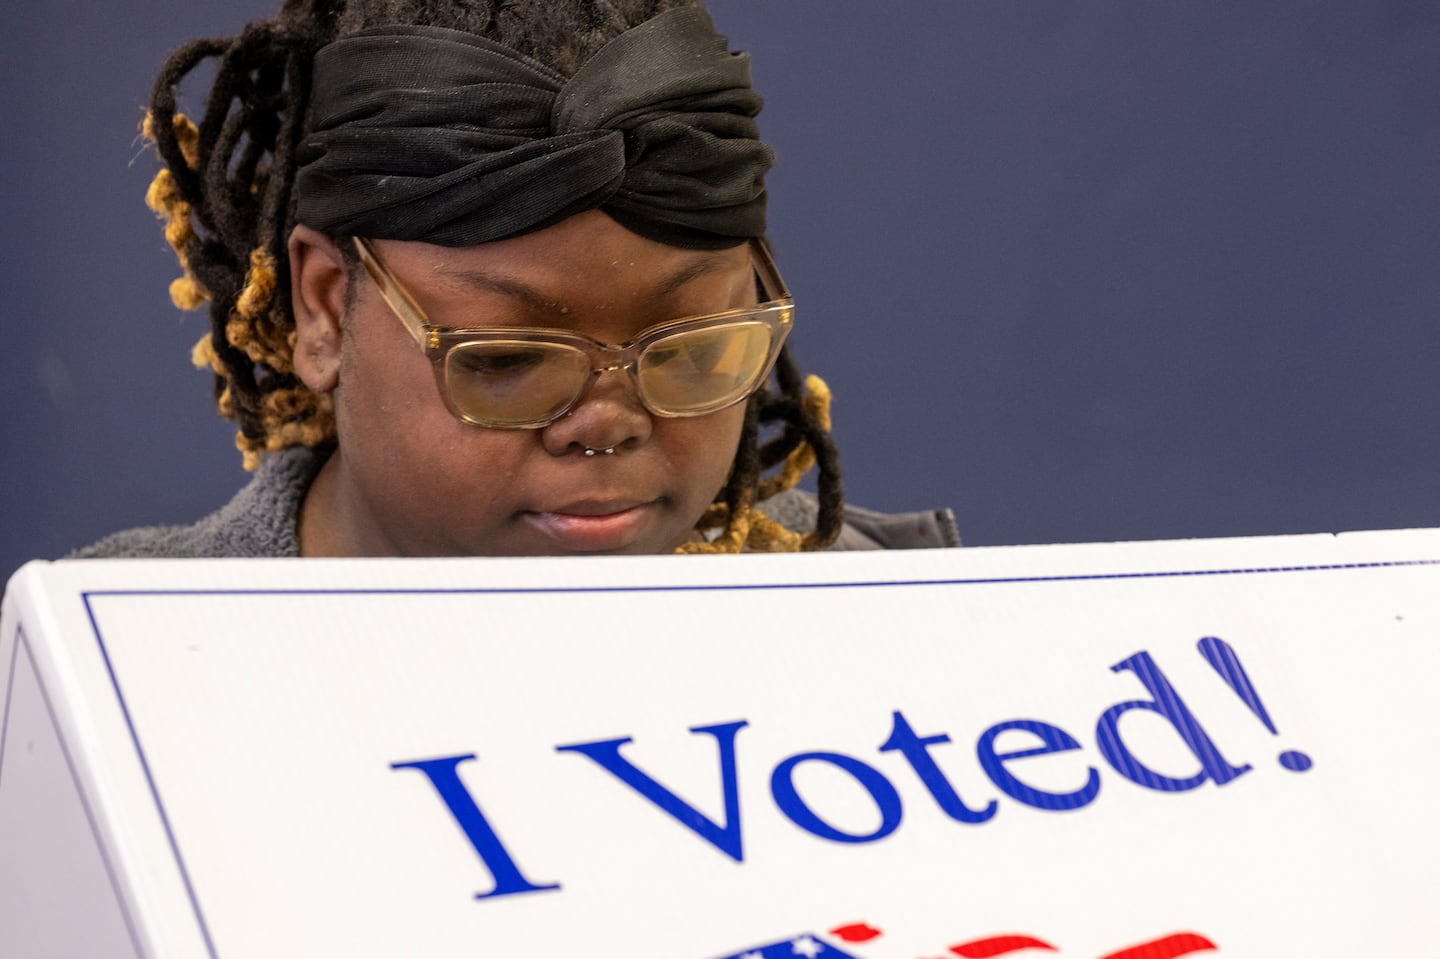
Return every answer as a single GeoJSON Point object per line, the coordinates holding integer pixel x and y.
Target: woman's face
{"type": "Point", "coordinates": [410, 479]}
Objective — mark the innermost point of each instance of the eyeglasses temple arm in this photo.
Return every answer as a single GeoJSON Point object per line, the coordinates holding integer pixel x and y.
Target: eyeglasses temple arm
{"type": "Point", "coordinates": [401, 304]}
{"type": "Point", "coordinates": [769, 273]}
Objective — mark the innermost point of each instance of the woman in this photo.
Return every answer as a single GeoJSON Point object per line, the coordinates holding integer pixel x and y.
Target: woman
{"type": "Point", "coordinates": [491, 279]}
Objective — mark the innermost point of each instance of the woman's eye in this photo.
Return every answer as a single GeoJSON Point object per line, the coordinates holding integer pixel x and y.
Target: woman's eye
{"type": "Point", "coordinates": [702, 352]}
{"type": "Point", "coordinates": [506, 363]}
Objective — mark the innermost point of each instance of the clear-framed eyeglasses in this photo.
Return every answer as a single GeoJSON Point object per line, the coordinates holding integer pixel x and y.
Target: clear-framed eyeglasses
{"type": "Point", "coordinates": [529, 377]}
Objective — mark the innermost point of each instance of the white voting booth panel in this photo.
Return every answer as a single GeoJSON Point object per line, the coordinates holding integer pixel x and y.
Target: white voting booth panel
{"type": "Point", "coordinates": [1131, 751]}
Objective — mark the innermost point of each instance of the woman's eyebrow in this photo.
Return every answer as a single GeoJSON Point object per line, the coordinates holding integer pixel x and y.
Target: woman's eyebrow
{"type": "Point", "coordinates": [505, 285]}
{"type": "Point", "coordinates": [703, 264]}
{"type": "Point", "coordinates": [509, 285]}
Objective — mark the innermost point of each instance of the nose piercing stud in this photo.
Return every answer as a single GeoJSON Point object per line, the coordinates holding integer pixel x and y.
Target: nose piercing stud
{"type": "Point", "coordinates": [608, 451]}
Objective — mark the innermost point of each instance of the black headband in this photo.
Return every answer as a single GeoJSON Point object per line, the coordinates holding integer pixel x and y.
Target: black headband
{"type": "Point", "coordinates": [424, 133]}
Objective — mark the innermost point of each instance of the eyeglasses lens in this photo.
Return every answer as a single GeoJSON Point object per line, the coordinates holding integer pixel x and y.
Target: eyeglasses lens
{"type": "Point", "coordinates": [503, 382]}
{"type": "Point", "coordinates": [703, 369]}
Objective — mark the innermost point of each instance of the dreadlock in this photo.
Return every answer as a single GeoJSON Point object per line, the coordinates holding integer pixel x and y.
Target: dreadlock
{"type": "Point", "coordinates": [225, 193]}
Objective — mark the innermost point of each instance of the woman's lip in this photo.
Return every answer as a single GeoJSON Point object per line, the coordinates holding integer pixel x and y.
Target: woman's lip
{"type": "Point", "coordinates": [592, 527]}
{"type": "Point", "coordinates": [595, 507]}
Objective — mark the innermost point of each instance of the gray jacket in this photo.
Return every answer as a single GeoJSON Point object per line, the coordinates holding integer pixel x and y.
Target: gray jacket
{"type": "Point", "coordinates": [262, 519]}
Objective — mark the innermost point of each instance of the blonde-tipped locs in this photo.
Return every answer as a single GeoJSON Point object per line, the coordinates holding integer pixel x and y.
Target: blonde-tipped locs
{"type": "Point", "coordinates": [225, 196]}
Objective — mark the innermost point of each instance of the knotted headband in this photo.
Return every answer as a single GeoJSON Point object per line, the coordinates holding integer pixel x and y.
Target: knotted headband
{"type": "Point", "coordinates": [425, 133]}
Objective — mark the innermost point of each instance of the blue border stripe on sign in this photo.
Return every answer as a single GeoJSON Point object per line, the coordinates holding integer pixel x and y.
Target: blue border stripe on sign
{"type": "Point", "coordinates": [150, 780]}
{"type": "Point", "coordinates": [722, 587]}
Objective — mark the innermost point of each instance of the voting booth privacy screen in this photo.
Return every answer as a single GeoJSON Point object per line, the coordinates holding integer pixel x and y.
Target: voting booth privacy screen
{"type": "Point", "coordinates": [1133, 751]}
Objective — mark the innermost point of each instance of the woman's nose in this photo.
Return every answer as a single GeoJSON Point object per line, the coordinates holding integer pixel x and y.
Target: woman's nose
{"type": "Point", "coordinates": [609, 416]}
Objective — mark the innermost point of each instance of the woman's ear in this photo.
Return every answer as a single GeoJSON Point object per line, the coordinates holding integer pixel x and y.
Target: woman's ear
{"type": "Point", "coordinates": [319, 283]}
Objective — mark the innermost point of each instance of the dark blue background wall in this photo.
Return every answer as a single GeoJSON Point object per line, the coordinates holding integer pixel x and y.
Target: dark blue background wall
{"type": "Point", "coordinates": [1082, 270]}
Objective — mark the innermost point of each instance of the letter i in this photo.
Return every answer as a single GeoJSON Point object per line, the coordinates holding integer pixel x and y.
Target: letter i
{"type": "Point", "coordinates": [444, 777]}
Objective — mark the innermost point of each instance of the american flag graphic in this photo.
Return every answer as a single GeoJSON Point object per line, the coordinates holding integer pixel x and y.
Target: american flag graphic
{"type": "Point", "coordinates": [812, 946]}
{"type": "Point", "coordinates": [804, 946]}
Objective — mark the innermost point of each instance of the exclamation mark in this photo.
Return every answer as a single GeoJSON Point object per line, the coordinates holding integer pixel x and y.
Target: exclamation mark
{"type": "Point", "coordinates": [1223, 660]}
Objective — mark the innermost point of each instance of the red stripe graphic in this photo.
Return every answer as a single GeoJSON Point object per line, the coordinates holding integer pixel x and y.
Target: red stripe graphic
{"type": "Point", "coordinates": [1000, 946]}
{"type": "Point", "coordinates": [1167, 947]}
{"type": "Point", "coordinates": [856, 932]}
